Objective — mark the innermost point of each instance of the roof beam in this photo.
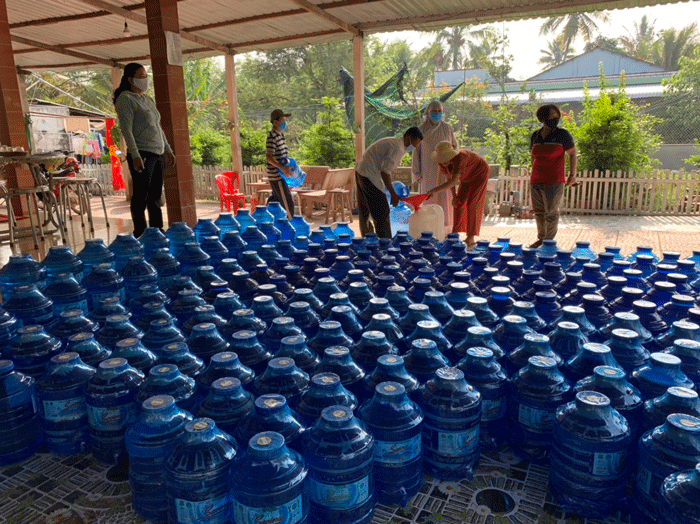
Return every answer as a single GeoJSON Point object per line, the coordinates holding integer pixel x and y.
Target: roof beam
{"type": "Point", "coordinates": [28, 68]}
{"type": "Point", "coordinates": [70, 18]}
{"type": "Point", "coordinates": [61, 50]}
{"type": "Point", "coordinates": [73, 45]}
{"type": "Point", "coordinates": [254, 43]}
{"type": "Point", "coordinates": [140, 19]}
{"type": "Point", "coordinates": [322, 13]}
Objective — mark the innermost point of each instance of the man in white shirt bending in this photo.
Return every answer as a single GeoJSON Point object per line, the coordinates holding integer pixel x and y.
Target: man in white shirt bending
{"type": "Point", "coordinates": [373, 177]}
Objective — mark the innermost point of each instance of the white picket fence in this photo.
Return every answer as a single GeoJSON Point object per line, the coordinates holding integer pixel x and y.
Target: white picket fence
{"type": "Point", "coordinates": [652, 193]}
{"type": "Point", "coordinates": [657, 192]}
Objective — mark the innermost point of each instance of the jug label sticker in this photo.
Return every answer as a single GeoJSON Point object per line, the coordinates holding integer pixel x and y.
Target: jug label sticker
{"type": "Point", "coordinates": [606, 464]}
{"type": "Point", "coordinates": [458, 443]}
{"type": "Point", "coordinates": [537, 419]}
{"type": "Point", "coordinates": [289, 513]}
{"type": "Point", "coordinates": [111, 418]}
{"type": "Point", "coordinates": [493, 409]}
{"type": "Point", "coordinates": [66, 409]}
{"type": "Point", "coordinates": [339, 496]}
{"type": "Point", "coordinates": [644, 479]}
{"type": "Point", "coordinates": [397, 452]}
{"type": "Point", "coordinates": [211, 511]}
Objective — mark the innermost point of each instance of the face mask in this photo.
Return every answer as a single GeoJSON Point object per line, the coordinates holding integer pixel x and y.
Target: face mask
{"type": "Point", "coordinates": [283, 125]}
{"type": "Point", "coordinates": [409, 148]}
{"type": "Point", "coordinates": [435, 116]}
{"type": "Point", "coordinates": [141, 84]}
{"type": "Point", "coordinates": [552, 122]}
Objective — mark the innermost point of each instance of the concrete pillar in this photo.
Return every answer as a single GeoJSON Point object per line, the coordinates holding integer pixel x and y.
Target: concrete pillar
{"type": "Point", "coordinates": [126, 174]}
{"type": "Point", "coordinates": [169, 86]}
{"type": "Point", "coordinates": [358, 48]}
{"type": "Point", "coordinates": [12, 129]}
{"type": "Point", "coordinates": [233, 118]}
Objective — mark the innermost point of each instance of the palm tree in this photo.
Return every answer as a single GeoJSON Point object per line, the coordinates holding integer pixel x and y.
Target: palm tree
{"type": "Point", "coordinates": [485, 45]}
{"type": "Point", "coordinates": [638, 43]}
{"type": "Point", "coordinates": [455, 38]}
{"type": "Point", "coordinates": [673, 44]}
{"type": "Point", "coordinates": [577, 24]}
{"type": "Point", "coordinates": [554, 54]}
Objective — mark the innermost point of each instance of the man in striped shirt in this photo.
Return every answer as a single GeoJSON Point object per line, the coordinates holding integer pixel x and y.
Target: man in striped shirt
{"type": "Point", "coordinates": [276, 154]}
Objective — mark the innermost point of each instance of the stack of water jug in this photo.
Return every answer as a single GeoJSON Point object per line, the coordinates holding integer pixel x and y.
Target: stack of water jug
{"type": "Point", "coordinates": [251, 370]}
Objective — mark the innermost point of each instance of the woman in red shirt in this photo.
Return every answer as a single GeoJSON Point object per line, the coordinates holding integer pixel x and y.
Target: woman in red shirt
{"type": "Point", "coordinates": [549, 147]}
{"type": "Point", "coordinates": [471, 172]}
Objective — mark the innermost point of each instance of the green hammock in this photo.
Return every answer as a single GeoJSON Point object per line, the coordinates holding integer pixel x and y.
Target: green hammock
{"type": "Point", "coordinates": [387, 113]}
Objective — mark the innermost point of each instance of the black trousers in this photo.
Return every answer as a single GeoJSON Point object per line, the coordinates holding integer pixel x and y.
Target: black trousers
{"type": "Point", "coordinates": [282, 194]}
{"type": "Point", "coordinates": [371, 202]}
{"type": "Point", "coordinates": [147, 190]}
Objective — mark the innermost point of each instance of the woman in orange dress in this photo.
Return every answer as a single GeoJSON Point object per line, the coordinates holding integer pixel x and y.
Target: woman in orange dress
{"type": "Point", "coordinates": [471, 172]}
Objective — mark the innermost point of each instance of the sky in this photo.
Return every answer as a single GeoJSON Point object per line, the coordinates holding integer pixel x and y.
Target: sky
{"type": "Point", "coordinates": [525, 42]}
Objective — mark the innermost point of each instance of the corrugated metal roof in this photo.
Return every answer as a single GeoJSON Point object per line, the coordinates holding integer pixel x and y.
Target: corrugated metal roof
{"type": "Point", "coordinates": [247, 25]}
{"type": "Point", "coordinates": [575, 95]}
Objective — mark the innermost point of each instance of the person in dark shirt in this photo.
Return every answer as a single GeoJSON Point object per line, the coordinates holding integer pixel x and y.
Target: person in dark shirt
{"type": "Point", "coordinates": [276, 156]}
{"type": "Point", "coordinates": [549, 147]}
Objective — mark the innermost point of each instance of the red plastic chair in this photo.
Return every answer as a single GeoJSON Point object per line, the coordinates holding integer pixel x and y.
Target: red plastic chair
{"type": "Point", "coordinates": [228, 194]}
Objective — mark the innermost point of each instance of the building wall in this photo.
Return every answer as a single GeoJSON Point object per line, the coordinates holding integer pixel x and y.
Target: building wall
{"type": "Point", "coordinates": [48, 129]}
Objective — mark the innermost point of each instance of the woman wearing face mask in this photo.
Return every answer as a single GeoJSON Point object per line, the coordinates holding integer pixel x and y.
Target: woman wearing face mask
{"type": "Point", "coordinates": [471, 172]}
{"type": "Point", "coordinates": [424, 170]}
{"type": "Point", "coordinates": [549, 147]}
{"type": "Point", "coordinates": [147, 148]}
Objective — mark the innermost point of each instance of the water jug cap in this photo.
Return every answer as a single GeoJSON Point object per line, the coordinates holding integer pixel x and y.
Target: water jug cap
{"type": "Point", "coordinates": [113, 363]}
{"type": "Point", "coordinates": [665, 360]}
{"type": "Point", "coordinates": [337, 413]}
{"type": "Point", "coordinates": [200, 424]}
{"type": "Point", "coordinates": [374, 335]}
{"type": "Point", "coordinates": [65, 357]}
{"type": "Point", "coordinates": [158, 402]}
{"type": "Point", "coordinates": [164, 369]}
{"type": "Point", "coordinates": [337, 351]}
{"type": "Point", "coordinates": [539, 361]}
{"type": "Point", "coordinates": [685, 343]}
{"type": "Point", "coordinates": [325, 379]}
{"type": "Point", "coordinates": [79, 337]}
{"type": "Point", "coordinates": [681, 392]}
{"type": "Point", "coordinates": [270, 401]}
{"type": "Point", "coordinates": [127, 342]}
{"type": "Point", "coordinates": [608, 372]}
{"type": "Point", "coordinates": [592, 398]}
{"type": "Point", "coordinates": [684, 422]}
{"type": "Point", "coordinates": [226, 384]}
{"type": "Point", "coordinates": [390, 359]}
{"type": "Point", "coordinates": [569, 326]}
{"type": "Point", "coordinates": [625, 333]}
{"type": "Point", "coordinates": [267, 441]}
{"type": "Point", "coordinates": [390, 388]}
{"type": "Point", "coordinates": [593, 347]}
{"type": "Point", "coordinates": [480, 331]}
{"type": "Point", "coordinates": [450, 374]}
{"type": "Point", "coordinates": [224, 356]}
{"type": "Point", "coordinates": [480, 352]}
{"type": "Point", "coordinates": [424, 343]}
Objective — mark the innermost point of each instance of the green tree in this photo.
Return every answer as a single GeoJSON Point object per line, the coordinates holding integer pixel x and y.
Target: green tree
{"type": "Point", "coordinates": [455, 40]}
{"type": "Point", "coordinates": [683, 90]}
{"type": "Point", "coordinates": [604, 42]}
{"type": "Point", "coordinates": [572, 26]}
{"type": "Point", "coordinates": [507, 140]}
{"type": "Point", "coordinates": [210, 147]}
{"type": "Point", "coordinates": [253, 143]}
{"type": "Point", "coordinates": [611, 133]}
{"type": "Point", "coordinates": [672, 45]}
{"type": "Point", "coordinates": [328, 142]}
{"type": "Point", "coordinates": [638, 42]}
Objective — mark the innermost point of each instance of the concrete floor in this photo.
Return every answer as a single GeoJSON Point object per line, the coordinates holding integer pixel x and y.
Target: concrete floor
{"type": "Point", "coordinates": [680, 234]}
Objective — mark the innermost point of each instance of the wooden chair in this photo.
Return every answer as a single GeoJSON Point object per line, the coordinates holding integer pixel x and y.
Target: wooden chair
{"type": "Point", "coordinates": [335, 195]}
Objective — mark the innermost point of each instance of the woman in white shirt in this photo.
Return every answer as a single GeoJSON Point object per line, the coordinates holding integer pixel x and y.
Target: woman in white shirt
{"type": "Point", "coordinates": [423, 168]}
